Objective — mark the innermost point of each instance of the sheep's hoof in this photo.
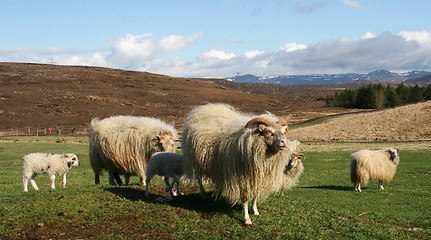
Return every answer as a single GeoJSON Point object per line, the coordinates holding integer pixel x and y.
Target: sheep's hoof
{"type": "Point", "coordinates": [247, 222]}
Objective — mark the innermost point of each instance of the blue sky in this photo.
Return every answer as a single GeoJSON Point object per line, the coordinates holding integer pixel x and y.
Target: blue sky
{"type": "Point", "coordinates": [221, 38]}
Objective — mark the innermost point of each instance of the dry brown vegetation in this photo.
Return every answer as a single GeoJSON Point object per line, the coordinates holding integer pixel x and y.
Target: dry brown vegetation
{"type": "Point", "coordinates": [39, 96]}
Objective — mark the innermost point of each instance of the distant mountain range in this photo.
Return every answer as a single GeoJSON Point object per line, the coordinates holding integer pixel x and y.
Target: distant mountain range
{"type": "Point", "coordinates": [326, 79]}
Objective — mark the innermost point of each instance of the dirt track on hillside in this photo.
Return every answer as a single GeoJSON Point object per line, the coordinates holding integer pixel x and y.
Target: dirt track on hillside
{"type": "Point", "coordinates": [411, 122]}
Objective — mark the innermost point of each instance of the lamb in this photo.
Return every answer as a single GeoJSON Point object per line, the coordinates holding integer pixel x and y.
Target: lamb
{"type": "Point", "coordinates": [243, 155]}
{"type": "Point", "coordinates": [169, 165]}
{"type": "Point", "coordinates": [368, 165]}
{"type": "Point", "coordinates": [293, 170]}
{"type": "Point", "coordinates": [124, 144]}
{"type": "Point", "coordinates": [53, 164]}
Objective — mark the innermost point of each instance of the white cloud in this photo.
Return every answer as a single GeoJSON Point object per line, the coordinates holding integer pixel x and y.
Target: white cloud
{"type": "Point", "coordinates": [368, 35]}
{"type": "Point", "coordinates": [405, 50]}
{"type": "Point", "coordinates": [174, 43]}
{"type": "Point", "coordinates": [422, 37]}
{"type": "Point", "coordinates": [290, 47]}
{"type": "Point", "coordinates": [217, 54]}
{"type": "Point", "coordinates": [253, 53]}
{"type": "Point", "coordinates": [355, 4]}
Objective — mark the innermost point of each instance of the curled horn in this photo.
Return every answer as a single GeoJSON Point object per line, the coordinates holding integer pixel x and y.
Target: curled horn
{"type": "Point", "coordinates": [258, 120]}
{"type": "Point", "coordinates": [282, 122]}
{"type": "Point", "coordinates": [298, 155]}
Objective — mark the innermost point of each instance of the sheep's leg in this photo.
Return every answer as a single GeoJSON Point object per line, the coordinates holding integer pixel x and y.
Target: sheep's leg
{"type": "Point", "coordinates": [381, 185]}
{"type": "Point", "coordinates": [52, 177]}
{"type": "Point", "coordinates": [118, 178]}
{"type": "Point", "coordinates": [114, 178]}
{"type": "Point", "coordinates": [96, 179]}
{"type": "Point", "coordinates": [245, 216]}
{"type": "Point", "coordinates": [33, 182]}
{"type": "Point", "coordinates": [147, 184]}
{"type": "Point", "coordinates": [64, 180]}
{"type": "Point", "coordinates": [254, 207]}
{"type": "Point", "coordinates": [25, 182]}
{"type": "Point", "coordinates": [126, 179]}
{"type": "Point", "coordinates": [111, 178]}
{"type": "Point", "coordinates": [201, 188]}
{"type": "Point", "coordinates": [359, 187]}
{"type": "Point", "coordinates": [177, 179]}
{"type": "Point", "coordinates": [169, 186]}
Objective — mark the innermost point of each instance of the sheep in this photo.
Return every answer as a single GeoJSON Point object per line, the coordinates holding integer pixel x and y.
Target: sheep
{"type": "Point", "coordinates": [124, 144]}
{"type": "Point", "coordinates": [243, 155]}
{"type": "Point", "coordinates": [169, 165]}
{"type": "Point", "coordinates": [292, 145]}
{"type": "Point", "coordinates": [293, 170]}
{"type": "Point", "coordinates": [368, 165]}
{"type": "Point", "coordinates": [53, 164]}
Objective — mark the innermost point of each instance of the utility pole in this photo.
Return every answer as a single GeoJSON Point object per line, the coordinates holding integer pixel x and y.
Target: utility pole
{"type": "Point", "coordinates": [236, 77]}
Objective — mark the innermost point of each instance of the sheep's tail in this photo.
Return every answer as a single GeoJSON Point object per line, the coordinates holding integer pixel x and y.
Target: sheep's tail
{"type": "Point", "coordinates": [354, 171]}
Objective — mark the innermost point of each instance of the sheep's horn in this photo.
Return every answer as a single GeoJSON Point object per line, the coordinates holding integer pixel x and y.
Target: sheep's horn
{"type": "Point", "coordinates": [258, 120]}
{"type": "Point", "coordinates": [298, 155]}
{"type": "Point", "coordinates": [282, 122]}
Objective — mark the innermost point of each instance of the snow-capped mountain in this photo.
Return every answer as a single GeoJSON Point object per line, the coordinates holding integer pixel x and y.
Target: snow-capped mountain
{"type": "Point", "coordinates": [324, 79]}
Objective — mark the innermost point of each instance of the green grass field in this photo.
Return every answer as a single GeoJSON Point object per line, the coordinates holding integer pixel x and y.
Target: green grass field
{"type": "Point", "coordinates": [322, 206]}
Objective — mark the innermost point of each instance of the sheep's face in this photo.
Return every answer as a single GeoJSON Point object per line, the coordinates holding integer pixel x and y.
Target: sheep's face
{"type": "Point", "coordinates": [164, 142]}
{"type": "Point", "coordinates": [395, 157]}
{"type": "Point", "coordinates": [72, 160]}
{"type": "Point", "coordinates": [275, 136]}
{"type": "Point", "coordinates": [294, 161]}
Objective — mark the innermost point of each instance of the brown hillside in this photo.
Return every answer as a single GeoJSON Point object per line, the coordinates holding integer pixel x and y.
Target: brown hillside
{"type": "Point", "coordinates": [409, 122]}
{"type": "Point", "coordinates": [39, 96]}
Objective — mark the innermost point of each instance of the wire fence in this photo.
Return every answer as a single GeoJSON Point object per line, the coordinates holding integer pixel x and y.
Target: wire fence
{"type": "Point", "coordinates": [42, 132]}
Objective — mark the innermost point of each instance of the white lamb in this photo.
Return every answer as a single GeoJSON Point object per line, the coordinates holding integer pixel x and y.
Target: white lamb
{"type": "Point", "coordinates": [53, 164]}
{"type": "Point", "coordinates": [167, 164]}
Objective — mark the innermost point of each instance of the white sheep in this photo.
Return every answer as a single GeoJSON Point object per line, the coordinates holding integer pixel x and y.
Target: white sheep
{"type": "Point", "coordinates": [368, 165]}
{"type": "Point", "coordinates": [293, 170]}
{"type": "Point", "coordinates": [292, 145]}
{"type": "Point", "coordinates": [53, 164]}
{"type": "Point", "coordinates": [243, 155]}
{"type": "Point", "coordinates": [124, 144]}
{"type": "Point", "coordinates": [169, 165]}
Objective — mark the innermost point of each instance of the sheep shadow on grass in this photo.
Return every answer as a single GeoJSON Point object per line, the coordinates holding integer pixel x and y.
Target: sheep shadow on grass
{"type": "Point", "coordinates": [208, 206]}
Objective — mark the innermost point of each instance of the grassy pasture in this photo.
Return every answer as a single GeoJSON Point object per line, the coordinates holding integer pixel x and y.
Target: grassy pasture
{"type": "Point", "coordinates": [322, 206]}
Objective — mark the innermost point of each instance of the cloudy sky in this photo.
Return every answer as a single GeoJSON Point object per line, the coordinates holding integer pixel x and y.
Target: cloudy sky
{"type": "Point", "coordinates": [199, 38]}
